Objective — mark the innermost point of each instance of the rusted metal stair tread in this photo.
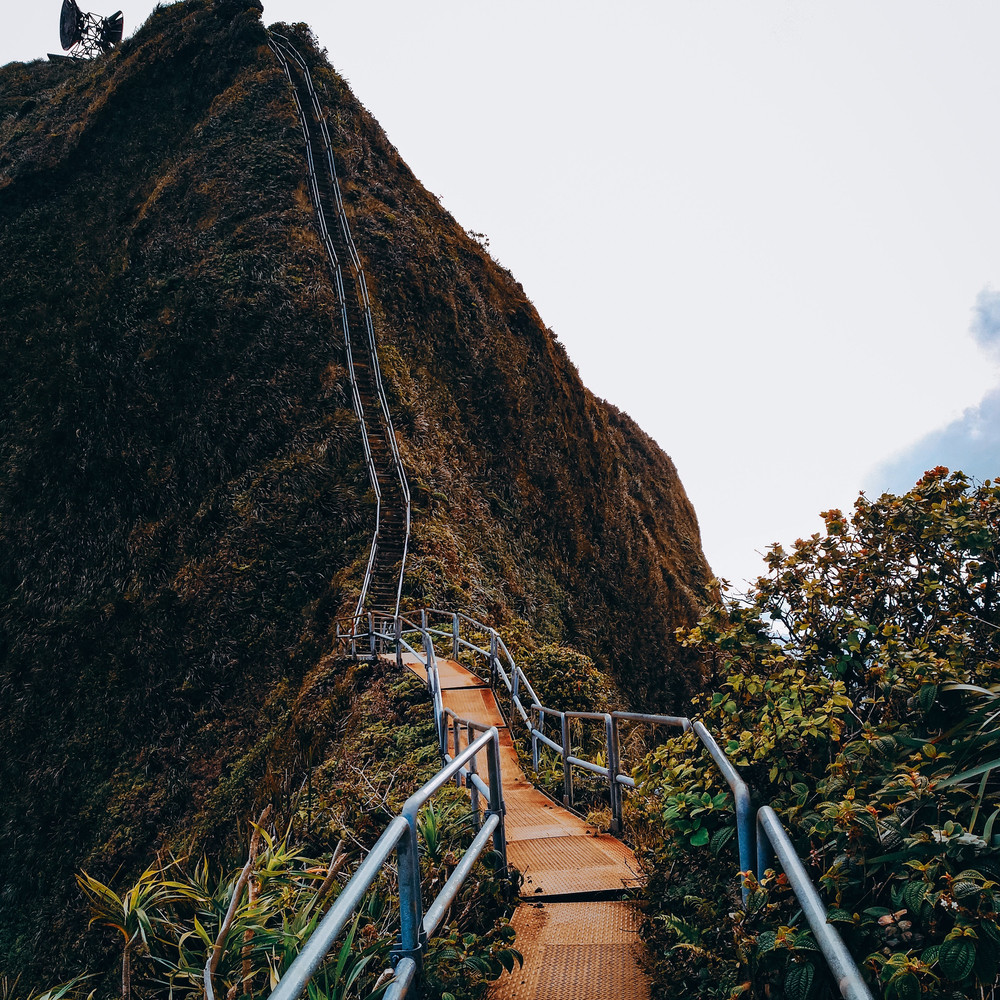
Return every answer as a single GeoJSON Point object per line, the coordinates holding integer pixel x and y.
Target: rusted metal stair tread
{"type": "Point", "coordinates": [576, 866]}
{"type": "Point", "coordinates": [452, 674]}
{"type": "Point", "coordinates": [576, 951]}
{"type": "Point", "coordinates": [557, 850]}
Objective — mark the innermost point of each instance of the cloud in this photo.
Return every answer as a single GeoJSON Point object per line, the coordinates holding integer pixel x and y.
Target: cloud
{"type": "Point", "coordinates": [970, 443]}
{"type": "Point", "coordinates": [986, 321]}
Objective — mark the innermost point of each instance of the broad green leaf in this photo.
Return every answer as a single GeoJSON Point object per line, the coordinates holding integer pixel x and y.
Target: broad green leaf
{"type": "Point", "coordinates": [928, 692]}
{"type": "Point", "coordinates": [956, 958]}
{"type": "Point", "coordinates": [964, 889]}
{"type": "Point", "coordinates": [799, 981]}
{"type": "Point", "coordinates": [765, 941]}
{"type": "Point", "coordinates": [930, 954]}
{"type": "Point", "coordinates": [699, 838]}
{"type": "Point", "coordinates": [913, 895]}
{"type": "Point", "coordinates": [721, 837]}
{"type": "Point", "coordinates": [905, 987]}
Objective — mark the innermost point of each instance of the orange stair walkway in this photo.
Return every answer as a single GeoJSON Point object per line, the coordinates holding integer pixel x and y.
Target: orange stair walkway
{"type": "Point", "coordinates": [575, 948]}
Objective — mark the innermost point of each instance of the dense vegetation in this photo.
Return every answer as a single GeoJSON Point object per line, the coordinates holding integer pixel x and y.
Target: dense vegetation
{"type": "Point", "coordinates": [861, 678]}
{"type": "Point", "coordinates": [183, 512]}
{"type": "Point", "coordinates": [160, 929]}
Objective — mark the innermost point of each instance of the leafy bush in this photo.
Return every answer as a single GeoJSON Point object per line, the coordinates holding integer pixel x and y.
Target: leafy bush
{"type": "Point", "coordinates": [568, 680]}
{"type": "Point", "coordinates": [183, 919]}
{"type": "Point", "coordinates": [859, 701]}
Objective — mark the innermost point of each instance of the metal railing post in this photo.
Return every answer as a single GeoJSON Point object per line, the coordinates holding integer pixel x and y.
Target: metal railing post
{"type": "Point", "coordinates": [493, 657]}
{"type": "Point", "coordinates": [423, 619]}
{"type": "Point", "coordinates": [454, 637]}
{"type": "Point", "coordinates": [399, 641]}
{"type": "Point", "coordinates": [458, 747]}
{"type": "Point", "coordinates": [434, 684]}
{"type": "Point", "coordinates": [741, 799]}
{"type": "Point", "coordinates": [473, 788]}
{"type": "Point", "coordinates": [371, 631]}
{"type": "Point", "coordinates": [567, 767]}
{"type": "Point", "coordinates": [614, 789]}
{"type": "Point", "coordinates": [410, 906]}
{"type": "Point", "coordinates": [765, 853]}
{"type": "Point", "coordinates": [539, 724]}
{"type": "Point", "coordinates": [497, 807]}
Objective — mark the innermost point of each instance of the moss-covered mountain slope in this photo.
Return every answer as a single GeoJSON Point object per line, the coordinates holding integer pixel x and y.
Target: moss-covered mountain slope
{"type": "Point", "coordinates": [183, 508]}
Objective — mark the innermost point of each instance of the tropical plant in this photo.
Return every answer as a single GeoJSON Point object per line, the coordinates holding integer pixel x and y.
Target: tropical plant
{"type": "Point", "coordinates": [247, 940]}
{"type": "Point", "coordinates": [439, 826]}
{"type": "Point", "coordinates": [135, 913]}
{"type": "Point", "coordinates": [72, 989]}
{"type": "Point", "coordinates": [858, 699]}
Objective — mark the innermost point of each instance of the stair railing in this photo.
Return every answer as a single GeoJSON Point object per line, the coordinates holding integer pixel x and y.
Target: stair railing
{"type": "Point", "coordinates": [492, 658]}
{"type": "Point", "coordinates": [400, 839]}
{"type": "Point", "coordinates": [285, 51]}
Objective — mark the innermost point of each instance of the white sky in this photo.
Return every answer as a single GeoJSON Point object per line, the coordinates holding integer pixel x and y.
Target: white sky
{"type": "Point", "coordinates": [759, 228]}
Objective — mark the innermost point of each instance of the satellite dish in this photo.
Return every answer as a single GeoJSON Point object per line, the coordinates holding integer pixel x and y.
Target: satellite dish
{"type": "Point", "coordinates": [87, 34]}
{"type": "Point", "coordinates": [70, 24]}
{"type": "Point", "coordinates": [111, 31]}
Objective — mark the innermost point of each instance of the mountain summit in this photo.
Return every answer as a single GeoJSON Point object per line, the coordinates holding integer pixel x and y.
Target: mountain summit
{"type": "Point", "coordinates": [184, 507]}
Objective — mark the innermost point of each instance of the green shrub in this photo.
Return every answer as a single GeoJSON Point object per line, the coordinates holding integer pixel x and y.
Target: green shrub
{"type": "Point", "coordinates": [857, 702]}
{"type": "Point", "coordinates": [568, 680]}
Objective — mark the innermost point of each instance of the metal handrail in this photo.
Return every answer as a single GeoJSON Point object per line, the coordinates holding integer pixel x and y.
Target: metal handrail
{"type": "Point", "coordinates": [845, 972]}
{"type": "Point", "coordinates": [838, 959]}
{"type": "Point", "coordinates": [361, 286]}
{"type": "Point", "coordinates": [284, 51]}
{"type": "Point", "coordinates": [400, 838]}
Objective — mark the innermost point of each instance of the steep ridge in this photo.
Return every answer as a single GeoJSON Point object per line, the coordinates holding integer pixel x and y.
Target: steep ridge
{"type": "Point", "coordinates": [185, 505]}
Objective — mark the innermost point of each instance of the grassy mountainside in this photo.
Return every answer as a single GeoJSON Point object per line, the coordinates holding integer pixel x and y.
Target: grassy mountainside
{"type": "Point", "coordinates": [183, 510]}
{"type": "Point", "coordinates": [534, 498]}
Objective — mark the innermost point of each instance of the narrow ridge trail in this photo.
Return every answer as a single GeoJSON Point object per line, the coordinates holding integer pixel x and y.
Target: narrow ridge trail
{"type": "Point", "coordinates": [579, 939]}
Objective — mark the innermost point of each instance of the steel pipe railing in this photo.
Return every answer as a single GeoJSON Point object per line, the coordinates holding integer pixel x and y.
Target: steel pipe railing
{"type": "Point", "coordinates": [514, 681]}
{"type": "Point", "coordinates": [505, 673]}
{"type": "Point", "coordinates": [400, 838]}
{"type": "Point", "coordinates": [285, 52]}
{"type": "Point", "coordinates": [771, 834]}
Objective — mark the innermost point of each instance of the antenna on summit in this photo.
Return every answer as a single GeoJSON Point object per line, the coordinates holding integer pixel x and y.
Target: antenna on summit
{"type": "Point", "coordinates": [87, 35]}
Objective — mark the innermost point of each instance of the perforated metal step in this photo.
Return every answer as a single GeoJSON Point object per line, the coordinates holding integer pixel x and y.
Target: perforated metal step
{"type": "Point", "coordinates": [587, 950]}
{"type": "Point", "coordinates": [576, 951]}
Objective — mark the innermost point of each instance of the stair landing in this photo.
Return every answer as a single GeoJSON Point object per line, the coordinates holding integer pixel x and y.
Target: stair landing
{"type": "Point", "coordinates": [576, 951]}
{"type": "Point", "coordinates": [577, 944]}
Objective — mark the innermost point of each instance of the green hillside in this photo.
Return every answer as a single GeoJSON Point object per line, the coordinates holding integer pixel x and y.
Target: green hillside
{"type": "Point", "coordinates": [184, 512]}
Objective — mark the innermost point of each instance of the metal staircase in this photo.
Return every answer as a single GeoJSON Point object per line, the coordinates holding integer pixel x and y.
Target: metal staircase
{"type": "Point", "coordinates": [471, 748]}
{"type": "Point", "coordinates": [383, 579]}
